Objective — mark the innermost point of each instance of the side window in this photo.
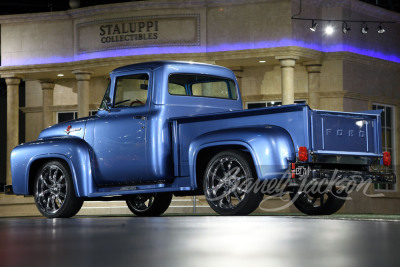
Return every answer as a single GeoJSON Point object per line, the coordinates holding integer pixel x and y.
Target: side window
{"type": "Point", "coordinates": [131, 90]}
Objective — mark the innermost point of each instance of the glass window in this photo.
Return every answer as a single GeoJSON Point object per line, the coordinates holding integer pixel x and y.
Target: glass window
{"type": "Point", "coordinates": [106, 97]}
{"type": "Point", "coordinates": [263, 104]}
{"type": "Point", "coordinates": [388, 135]}
{"type": "Point", "coordinates": [131, 90]}
{"type": "Point", "coordinates": [256, 105]}
{"type": "Point", "coordinates": [66, 116]}
{"type": "Point", "coordinates": [201, 85]}
{"type": "Point", "coordinates": [71, 115]}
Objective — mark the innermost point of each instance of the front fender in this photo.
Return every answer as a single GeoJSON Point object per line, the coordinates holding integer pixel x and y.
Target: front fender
{"type": "Point", "coordinates": [271, 148]}
{"type": "Point", "coordinates": [74, 151]}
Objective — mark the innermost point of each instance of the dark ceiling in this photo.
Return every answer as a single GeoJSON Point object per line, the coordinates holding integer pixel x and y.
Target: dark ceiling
{"type": "Point", "coordinates": [29, 6]}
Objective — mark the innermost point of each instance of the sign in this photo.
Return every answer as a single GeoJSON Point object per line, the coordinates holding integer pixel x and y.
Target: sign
{"type": "Point", "coordinates": [136, 32]}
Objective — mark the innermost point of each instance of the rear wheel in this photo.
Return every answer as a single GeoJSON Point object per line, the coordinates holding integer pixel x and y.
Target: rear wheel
{"type": "Point", "coordinates": [54, 192]}
{"type": "Point", "coordinates": [326, 202]}
{"type": "Point", "coordinates": [227, 184]}
{"type": "Point", "coordinates": [149, 204]}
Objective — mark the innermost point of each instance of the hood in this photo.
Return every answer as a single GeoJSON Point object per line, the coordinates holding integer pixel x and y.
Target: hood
{"type": "Point", "coordinates": [69, 128]}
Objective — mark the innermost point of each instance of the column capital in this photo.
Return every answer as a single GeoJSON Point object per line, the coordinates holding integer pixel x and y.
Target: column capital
{"type": "Point", "coordinates": [287, 61]}
{"type": "Point", "coordinates": [12, 75]}
{"type": "Point", "coordinates": [12, 80]}
{"type": "Point", "coordinates": [313, 66]}
{"type": "Point", "coordinates": [47, 85]}
{"type": "Point", "coordinates": [82, 75]}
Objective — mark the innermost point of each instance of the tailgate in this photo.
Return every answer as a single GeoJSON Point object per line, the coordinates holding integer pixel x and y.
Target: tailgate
{"type": "Point", "coordinates": [342, 133]}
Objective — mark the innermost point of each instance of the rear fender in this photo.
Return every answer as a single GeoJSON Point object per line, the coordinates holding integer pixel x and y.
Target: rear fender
{"type": "Point", "coordinates": [74, 151]}
{"type": "Point", "coordinates": [270, 147]}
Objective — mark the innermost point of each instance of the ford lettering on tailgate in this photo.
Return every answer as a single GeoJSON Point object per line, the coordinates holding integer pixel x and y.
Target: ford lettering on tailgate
{"type": "Point", "coordinates": [345, 133]}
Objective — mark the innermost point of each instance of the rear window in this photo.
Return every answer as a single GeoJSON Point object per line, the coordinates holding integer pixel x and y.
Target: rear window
{"type": "Point", "coordinates": [201, 85]}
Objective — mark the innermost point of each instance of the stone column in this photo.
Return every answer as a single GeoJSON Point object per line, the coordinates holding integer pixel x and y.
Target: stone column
{"type": "Point", "coordinates": [314, 72]}
{"type": "Point", "coordinates": [12, 120]}
{"type": "Point", "coordinates": [83, 78]}
{"type": "Point", "coordinates": [48, 92]}
{"type": "Point", "coordinates": [287, 76]}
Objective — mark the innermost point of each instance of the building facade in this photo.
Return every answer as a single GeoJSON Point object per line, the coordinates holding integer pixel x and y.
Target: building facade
{"type": "Point", "coordinates": [60, 61]}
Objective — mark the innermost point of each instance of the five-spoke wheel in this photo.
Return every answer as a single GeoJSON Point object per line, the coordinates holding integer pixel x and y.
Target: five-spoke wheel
{"type": "Point", "coordinates": [229, 184]}
{"type": "Point", "coordinates": [54, 192]}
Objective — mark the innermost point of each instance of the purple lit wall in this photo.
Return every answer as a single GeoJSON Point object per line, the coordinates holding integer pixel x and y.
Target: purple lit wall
{"type": "Point", "coordinates": [264, 24]}
{"type": "Point", "coordinates": [218, 48]}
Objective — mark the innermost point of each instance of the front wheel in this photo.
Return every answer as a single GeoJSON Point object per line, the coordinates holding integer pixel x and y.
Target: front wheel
{"type": "Point", "coordinates": [149, 204]}
{"type": "Point", "coordinates": [54, 192]}
{"type": "Point", "coordinates": [326, 202]}
{"type": "Point", "coordinates": [229, 184]}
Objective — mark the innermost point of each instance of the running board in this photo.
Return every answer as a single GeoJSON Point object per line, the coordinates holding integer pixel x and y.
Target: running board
{"type": "Point", "coordinates": [180, 184]}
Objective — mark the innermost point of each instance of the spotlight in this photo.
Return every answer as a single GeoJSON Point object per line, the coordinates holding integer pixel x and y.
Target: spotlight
{"type": "Point", "coordinates": [364, 28]}
{"type": "Point", "coordinates": [314, 25]}
{"type": "Point", "coordinates": [345, 28]}
{"type": "Point", "coordinates": [329, 29]}
{"type": "Point", "coordinates": [381, 29]}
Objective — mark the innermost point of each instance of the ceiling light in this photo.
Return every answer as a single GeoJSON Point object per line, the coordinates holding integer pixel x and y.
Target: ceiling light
{"type": "Point", "coordinates": [381, 29]}
{"type": "Point", "coordinates": [314, 25]}
{"type": "Point", "coordinates": [345, 28]}
{"type": "Point", "coordinates": [60, 75]}
{"type": "Point", "coordinates": [262, 61]}
{"type": "Point", "coordinates": [329, 29]}
{"type": "Point", "coordinates": [364, 28]}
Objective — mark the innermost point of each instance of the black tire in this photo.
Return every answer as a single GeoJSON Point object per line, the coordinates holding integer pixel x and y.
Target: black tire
{"type": "Point", "coordinates": [227, 184]}
{"type": "Point", "coordinates": [319, 203]}
{"type": "Point", "coordinates": [149, 204]}
{"type": "Point", "coordinates": [54, 191]}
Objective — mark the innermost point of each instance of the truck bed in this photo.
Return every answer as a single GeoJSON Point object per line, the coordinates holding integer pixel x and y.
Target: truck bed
{"type": "Point", "coordinates": [322, 132]}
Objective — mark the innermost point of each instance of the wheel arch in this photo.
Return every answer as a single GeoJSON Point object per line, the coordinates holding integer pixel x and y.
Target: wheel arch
{"type": "Point", "coordinates": [271, 149]}
{"type": "Point", "coordinates": [27, 158]}
{"type": "Point", "coordinates": [39, 161]}
{"type": "Point", "coordinates": [207, 152]}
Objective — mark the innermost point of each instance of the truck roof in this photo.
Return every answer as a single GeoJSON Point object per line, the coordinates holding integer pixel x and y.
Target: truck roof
{"type": "Point", "coordinates": [156, 64]}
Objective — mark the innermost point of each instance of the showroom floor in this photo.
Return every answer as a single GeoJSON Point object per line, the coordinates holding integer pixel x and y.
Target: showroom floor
{"type": "Point", "coordinates": [200, 241]}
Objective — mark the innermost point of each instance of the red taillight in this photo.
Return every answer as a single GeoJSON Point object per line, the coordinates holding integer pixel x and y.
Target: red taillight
{"type": "Point", "coordinates": [303, 153]}
{"type": "Point", "coordinates": [387, 158]}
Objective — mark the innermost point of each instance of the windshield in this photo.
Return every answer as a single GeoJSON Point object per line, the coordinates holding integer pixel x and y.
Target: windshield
{"type": "Point", "coordinates": [106, 97]}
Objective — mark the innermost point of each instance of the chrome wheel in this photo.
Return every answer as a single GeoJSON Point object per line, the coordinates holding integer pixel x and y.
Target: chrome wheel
{"type": "Point", "coordinates": [227, 184]}
{"type": "Point", "coordinates": [142, 203]}
{"type": "Point", "coordinates": [325, 202]}
{"type": "Point", "coordinates": [54, 192]}
{"type": "Point", "coordinates": [149, 204]}
{"type": "Point", "coordinates": [51, 189]}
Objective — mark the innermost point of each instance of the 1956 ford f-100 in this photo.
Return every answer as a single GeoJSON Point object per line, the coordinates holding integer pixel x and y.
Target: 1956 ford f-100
{"type": "Point", "coordinates": [178, 128]}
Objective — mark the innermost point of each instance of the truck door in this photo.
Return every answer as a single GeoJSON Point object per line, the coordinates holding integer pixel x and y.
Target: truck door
{"type": "Point", "coordinates": [120, 134]}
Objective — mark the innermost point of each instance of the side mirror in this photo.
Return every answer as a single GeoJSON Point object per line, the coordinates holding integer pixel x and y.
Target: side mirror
{"type": "Point", "coordinates": [106, 104]}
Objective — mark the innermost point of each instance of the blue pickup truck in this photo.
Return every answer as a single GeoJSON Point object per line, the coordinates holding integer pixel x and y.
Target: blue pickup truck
{"type": "Point", "coordinates": [178, 128]}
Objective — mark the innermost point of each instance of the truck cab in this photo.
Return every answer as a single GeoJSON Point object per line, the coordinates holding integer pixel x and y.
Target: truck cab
{"type": "Point", "coordinates": [133, 123]}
